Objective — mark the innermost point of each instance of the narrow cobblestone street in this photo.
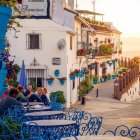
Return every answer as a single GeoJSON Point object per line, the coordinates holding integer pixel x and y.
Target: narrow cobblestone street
{"type": "Point", "coordinates": [114, 112]}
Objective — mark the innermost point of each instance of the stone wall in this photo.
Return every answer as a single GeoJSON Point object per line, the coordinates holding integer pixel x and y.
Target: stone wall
{"type": "Point", "coordinates": [133, 93]}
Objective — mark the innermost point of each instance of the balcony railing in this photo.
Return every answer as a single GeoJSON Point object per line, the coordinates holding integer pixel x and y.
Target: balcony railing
{"type": "Point", "coordinates": [104, 50]}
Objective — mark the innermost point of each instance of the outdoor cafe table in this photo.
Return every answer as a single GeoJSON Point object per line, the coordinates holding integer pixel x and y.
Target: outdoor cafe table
{"type": "Point", "coordinates": [33, 103]}
{"type": "Point", "coordinates": [98, 137]}
{"type": "Point", "coordinates": [58, 126]}
{"type": "Point", "coordinates": [45, 115]}
{"type": "Point", "coordinates": [38, 108]}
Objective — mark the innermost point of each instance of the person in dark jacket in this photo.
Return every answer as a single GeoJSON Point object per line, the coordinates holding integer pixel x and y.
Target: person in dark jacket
{"type": "Point", "coordinates": [9, 101]}
{"type": "Point", "coordinates": [30, 95]}
{"type": "Point", "coordinates": [41, 95]}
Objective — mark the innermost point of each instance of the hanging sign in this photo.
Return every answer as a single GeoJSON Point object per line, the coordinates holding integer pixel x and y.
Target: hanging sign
{"type": "Point", "coordinates": [35, 7]}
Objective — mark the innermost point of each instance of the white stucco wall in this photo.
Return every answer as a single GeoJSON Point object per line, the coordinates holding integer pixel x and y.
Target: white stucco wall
{"type": "Point", "coordinates": [133, 93]}
{"type": "Point", "coordinates": [51, 33]}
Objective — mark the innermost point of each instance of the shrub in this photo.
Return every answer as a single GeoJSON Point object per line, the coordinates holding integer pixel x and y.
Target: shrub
{"type": "Point", "coordinates": [15, 128]}
{"type": "Point", "coordinates": [59, 96]}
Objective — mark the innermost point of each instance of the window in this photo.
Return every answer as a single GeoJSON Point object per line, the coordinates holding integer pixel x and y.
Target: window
{"type": "Point", "coordinates": [33, 41]}
{"type": "Point", "coordinates": [35, 76]}
{"type": "Point", "coordinates": [70, 42]}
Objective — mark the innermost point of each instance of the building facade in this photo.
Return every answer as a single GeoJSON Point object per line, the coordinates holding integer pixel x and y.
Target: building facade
{"type": "Point", "coordinates": [49, 40]}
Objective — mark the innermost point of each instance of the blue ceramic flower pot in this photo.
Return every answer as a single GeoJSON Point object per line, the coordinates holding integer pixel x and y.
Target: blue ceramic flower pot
{"type": "Point", "coordinates": [49, 81]}
{"type": "Point", "coordinates": [57, 73]}
{"type": "Point", "coordinates": [95, 81]}
{"type": "Point", "coordinates": [62, 82]}
{"type": "Point", "coordinates": [72, 78]}
{"type": "Point", "coordinates": [77, 75]}
{"type": "Point", "coordinates": [113, 76]}
{"type": "Point", "coordinates": [81, 75]}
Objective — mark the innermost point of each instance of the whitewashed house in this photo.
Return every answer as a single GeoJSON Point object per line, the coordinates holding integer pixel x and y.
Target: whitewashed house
{"type": "Point", "coordinates": [46, 43]}
{"type": "Point", "coordinates": [49, 40]}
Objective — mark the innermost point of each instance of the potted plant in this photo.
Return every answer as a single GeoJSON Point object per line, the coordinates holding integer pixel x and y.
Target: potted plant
{"type": "Point", "coordinates": [50, 80]}
{"type": "Point", "coordinates": [83, 88]}
{"type": "Point", "coordinates": [105, 77]}
{"type": "Point", "coordinates": [81, 74]}
{"type": "Point", "coordinates": [60, 98]}
{"type": "Point", "coordinates": [95, 79]}
{"type": "Point", "coordinates": [87, 72]}
{"type": "Point", "coordinates": [109, 76]}
{"type": "Point", "coordinates": [72, 75]}
{"type": "Point", "coordinates": [62, 80]}
{"type": "Point", "coordinates": [77, 71]}
{"type": "Point", "coordinates": [56, 72]}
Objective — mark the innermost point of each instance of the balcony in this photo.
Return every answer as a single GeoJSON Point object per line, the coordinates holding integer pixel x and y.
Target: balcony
{"type": "Point", "coordinates": [104, 50]}
{"type": "Point", "coordinates": [84, 52]}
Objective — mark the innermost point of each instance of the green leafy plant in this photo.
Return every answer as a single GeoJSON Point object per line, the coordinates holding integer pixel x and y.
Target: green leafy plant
{"type": "Point", "coordinates": [109, 75]}
{"type": "Point", "coordinates": [59, 96]}
{"type": "Point", "coordinates": [94, 77]}
{"type": "Point", "coordinates": [13, 82]}
{"type": "Point", "coordinates": [14, 127]}
{"type": "Point", "coordinates": [84, 86]}
{"type": "Point", "coordinates": [17, 68]}
{"type": "Point", "coordinates": [34, 85]}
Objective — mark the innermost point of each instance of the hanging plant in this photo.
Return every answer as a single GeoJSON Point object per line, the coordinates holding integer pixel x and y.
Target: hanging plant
{"type": "Point", "coordinates": [72, 75]}
{"type": "Point", "coordinates": [62, 80]}
{"type": "Point", "coordinates": [50, 80]}
{"type": "Point", "coordinates": [77, 71]}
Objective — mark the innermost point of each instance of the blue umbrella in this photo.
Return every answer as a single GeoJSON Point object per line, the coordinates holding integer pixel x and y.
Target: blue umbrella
{"type": "Point", "coordinates": [22, 80]}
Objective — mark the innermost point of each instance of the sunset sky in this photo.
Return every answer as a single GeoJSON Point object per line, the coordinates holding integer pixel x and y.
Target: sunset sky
{"type": "Point", "coordinates": [125, 16]}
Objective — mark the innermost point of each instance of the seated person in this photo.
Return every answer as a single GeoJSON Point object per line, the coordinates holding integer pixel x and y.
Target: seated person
{"type": "Point", "coordinates": [41, 95]}
{"type": "Point", "coordinates": [9, 101]}
{"type": "Point", "coordinates": [30, 95]}
{"type": "Point", "coordinates": [21, 96]}
{"type": "Point", "coordinates": [46, 92]}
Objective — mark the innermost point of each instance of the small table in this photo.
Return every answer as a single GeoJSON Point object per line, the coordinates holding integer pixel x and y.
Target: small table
{"type": "Point", "coordinates": [45, 115]}
{"type": "Point", "coordinates": [57, 126]}
{"type": "Point", "coordinates": [33, 103]}
{"type": "Point", "coordinates": [98, 137]}
{"type": "Point", "coordinates": [35, 108]}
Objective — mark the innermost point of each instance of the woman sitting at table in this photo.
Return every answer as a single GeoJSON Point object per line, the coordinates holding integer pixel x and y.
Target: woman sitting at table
{"type": "Point", "coordinates": [30, 95]}
{"type": "Point", "coordinates": [21, 96]}
{"type": "Point", "coordinates": [46, 92]}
